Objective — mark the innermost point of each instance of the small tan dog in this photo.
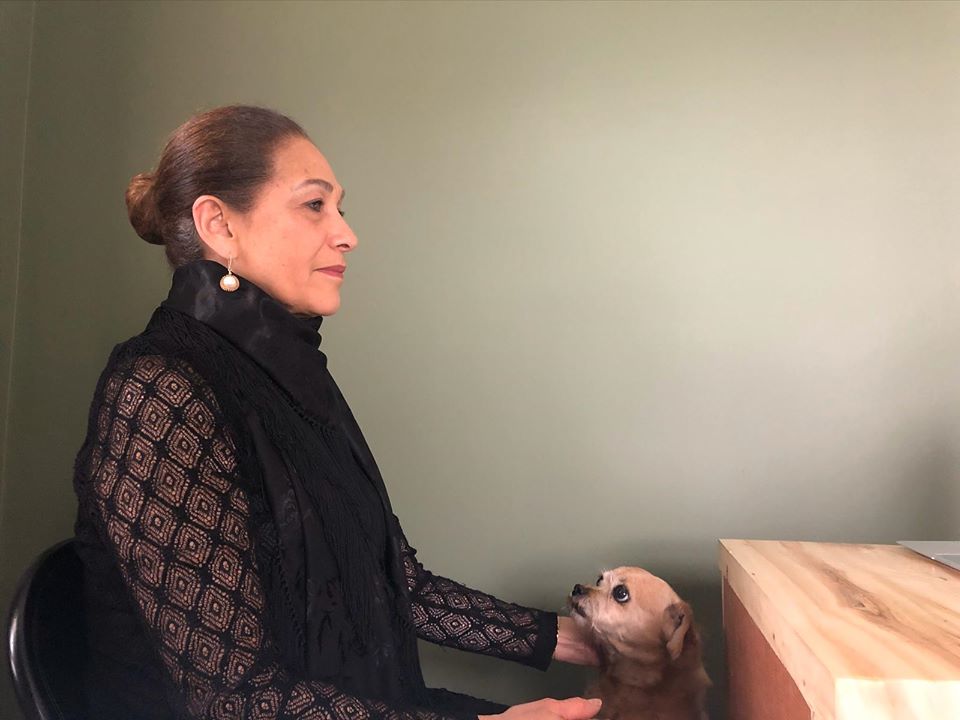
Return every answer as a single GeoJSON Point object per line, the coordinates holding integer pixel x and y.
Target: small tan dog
{"type": "Point", "coordinates": [650, 665]}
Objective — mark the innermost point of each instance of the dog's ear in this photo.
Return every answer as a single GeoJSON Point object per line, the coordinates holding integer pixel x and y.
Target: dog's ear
{"type": "Point", "coordinates": [677, 621]}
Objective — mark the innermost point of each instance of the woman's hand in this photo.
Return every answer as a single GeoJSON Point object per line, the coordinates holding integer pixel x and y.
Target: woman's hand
{"type": "Point", "coordinates": [571, 709]}
{"type": "Point", "coordinates": [574, 644]}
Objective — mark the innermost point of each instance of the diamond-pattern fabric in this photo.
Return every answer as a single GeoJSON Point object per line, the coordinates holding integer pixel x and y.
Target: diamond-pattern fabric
{"type": "Point", "coordinates": [448, 613]}
{"type": "Point", "coordinates": [166, 502]}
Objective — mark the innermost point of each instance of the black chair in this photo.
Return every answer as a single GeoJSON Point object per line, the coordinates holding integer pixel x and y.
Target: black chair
{"type": "Point", "coordinates": [46, 637]}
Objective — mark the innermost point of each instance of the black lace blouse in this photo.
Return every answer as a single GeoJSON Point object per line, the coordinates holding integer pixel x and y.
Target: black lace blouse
{"type": "Point", "coordinates": [177, 608]}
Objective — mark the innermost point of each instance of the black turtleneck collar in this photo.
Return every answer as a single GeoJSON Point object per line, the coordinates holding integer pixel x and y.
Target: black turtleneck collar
{"type": "Point", "coordinates": [283, 344]}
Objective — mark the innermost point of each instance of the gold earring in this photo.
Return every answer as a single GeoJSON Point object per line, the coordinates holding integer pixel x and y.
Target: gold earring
{"type": "Point", "coordinates": [229, 282]}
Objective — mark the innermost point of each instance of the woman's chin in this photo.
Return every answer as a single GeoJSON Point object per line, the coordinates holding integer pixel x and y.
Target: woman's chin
{"type": "Point", "coordinates": [314, 305]}
{"type": "Point", "coordinates": [325, 306]}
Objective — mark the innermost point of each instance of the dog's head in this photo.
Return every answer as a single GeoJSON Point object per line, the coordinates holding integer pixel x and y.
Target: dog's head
{"type": "Point", "coordinates": [634, 614]}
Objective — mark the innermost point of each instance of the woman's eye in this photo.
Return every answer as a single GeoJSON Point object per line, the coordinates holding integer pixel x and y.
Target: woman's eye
{"type": "Point", "coordinates": [621, 594]}
{"type": "Point", "coordinates": [317, 206]}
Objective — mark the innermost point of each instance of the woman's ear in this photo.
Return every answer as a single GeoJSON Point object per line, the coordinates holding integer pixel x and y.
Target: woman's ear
{"type": "Point", "coordinates": [210, 219]}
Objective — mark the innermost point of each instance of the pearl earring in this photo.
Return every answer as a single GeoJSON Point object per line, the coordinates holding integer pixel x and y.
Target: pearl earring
{"type": "Point", "coordinates": [229, 282]}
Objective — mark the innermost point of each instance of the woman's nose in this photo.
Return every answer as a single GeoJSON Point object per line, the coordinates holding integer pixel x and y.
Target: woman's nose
{"type": "Point", "coordinates": [577, 590]}
{"type": "Point", "coordinates": [345, 240]}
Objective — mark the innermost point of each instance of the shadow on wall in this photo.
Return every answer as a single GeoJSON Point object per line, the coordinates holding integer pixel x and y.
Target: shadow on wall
{"type": "Point", "coordinates": [705, 599]}
{"type": "Point", "coordinates": [929, 496]}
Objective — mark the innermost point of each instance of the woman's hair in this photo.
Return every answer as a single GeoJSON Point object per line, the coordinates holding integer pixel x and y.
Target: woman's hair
{"type": "Point", "coordinates": [226, 152]}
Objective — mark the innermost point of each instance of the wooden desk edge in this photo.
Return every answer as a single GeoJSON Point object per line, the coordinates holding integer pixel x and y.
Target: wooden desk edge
{"type": "Point", "coordinates": [830, 697]}
{"type": "Point", "coordinates": [812, 678]}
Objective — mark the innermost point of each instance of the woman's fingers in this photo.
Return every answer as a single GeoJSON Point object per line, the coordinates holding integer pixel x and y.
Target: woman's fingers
{"type": "Point", "coordinates": [577, 708]}
{"type": "Point", "coordinates": [574, 644]}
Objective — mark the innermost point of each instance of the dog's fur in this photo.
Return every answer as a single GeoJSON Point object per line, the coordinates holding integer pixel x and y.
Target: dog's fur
{"type": "Point", "coordinates": [649, 648]}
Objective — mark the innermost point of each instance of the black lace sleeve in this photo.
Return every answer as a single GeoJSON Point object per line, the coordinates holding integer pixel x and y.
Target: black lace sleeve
{"type": "Point", "coordinates": [448, 613]}
{"type": "Point", "coordinates": [163, 472]}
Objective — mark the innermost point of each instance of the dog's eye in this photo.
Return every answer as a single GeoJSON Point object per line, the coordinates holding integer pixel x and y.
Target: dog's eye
{"type": "Point", "coordinates": [621, 594]}
{"type": "Point", "coordinates": [599, 579]}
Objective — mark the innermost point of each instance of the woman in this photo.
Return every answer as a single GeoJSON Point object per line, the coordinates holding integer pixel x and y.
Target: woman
{"type": "Point", "coordinates": [242, 557]}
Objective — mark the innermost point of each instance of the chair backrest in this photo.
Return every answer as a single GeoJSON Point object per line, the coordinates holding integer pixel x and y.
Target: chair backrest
{"type": "Point", "coordinates": [46, 636]}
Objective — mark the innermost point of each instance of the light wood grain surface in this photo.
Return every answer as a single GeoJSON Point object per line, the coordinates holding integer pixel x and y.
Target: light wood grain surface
{"type": "Point", "coordinates": [868, 632]}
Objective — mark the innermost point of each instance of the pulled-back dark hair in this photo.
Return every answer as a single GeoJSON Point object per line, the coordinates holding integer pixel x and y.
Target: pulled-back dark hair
{"type": "Point", "coordinates": [226, 152]}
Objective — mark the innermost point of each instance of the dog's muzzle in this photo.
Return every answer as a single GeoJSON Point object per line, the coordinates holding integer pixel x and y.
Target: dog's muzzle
{"type": "Point", "coordinates": [576, 595]}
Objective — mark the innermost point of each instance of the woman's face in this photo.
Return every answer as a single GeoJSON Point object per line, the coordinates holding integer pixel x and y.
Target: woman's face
{"type": "Point", "coordinates": [293, 240]}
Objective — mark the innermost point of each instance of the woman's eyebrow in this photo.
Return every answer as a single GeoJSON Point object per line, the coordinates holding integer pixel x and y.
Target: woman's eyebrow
{"type": "Point", "coordinates": [322, 183]}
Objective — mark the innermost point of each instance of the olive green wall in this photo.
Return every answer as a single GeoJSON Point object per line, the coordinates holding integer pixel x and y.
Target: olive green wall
{"type": "Point", "coordinates": [631, 277]}
{"type": "Point", "coordinates": [16, 25]}
{"type": "Point", "coordinates": [16, 33]}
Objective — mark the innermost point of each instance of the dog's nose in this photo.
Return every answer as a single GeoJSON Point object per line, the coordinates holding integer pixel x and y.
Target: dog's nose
{"type": "Point", "coordinates": [577, 590]}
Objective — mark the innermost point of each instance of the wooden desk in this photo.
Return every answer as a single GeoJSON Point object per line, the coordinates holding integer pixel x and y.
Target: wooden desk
{"type": "Point", "coordinates": [839, 632]}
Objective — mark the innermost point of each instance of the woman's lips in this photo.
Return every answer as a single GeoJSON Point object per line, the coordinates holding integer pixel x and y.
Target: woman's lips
{"type": "Point", "coordinates": [334, 270]}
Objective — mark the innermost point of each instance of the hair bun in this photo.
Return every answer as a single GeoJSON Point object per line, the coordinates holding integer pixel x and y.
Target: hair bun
{"type": "Point", "coordinates": [142, 208]}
